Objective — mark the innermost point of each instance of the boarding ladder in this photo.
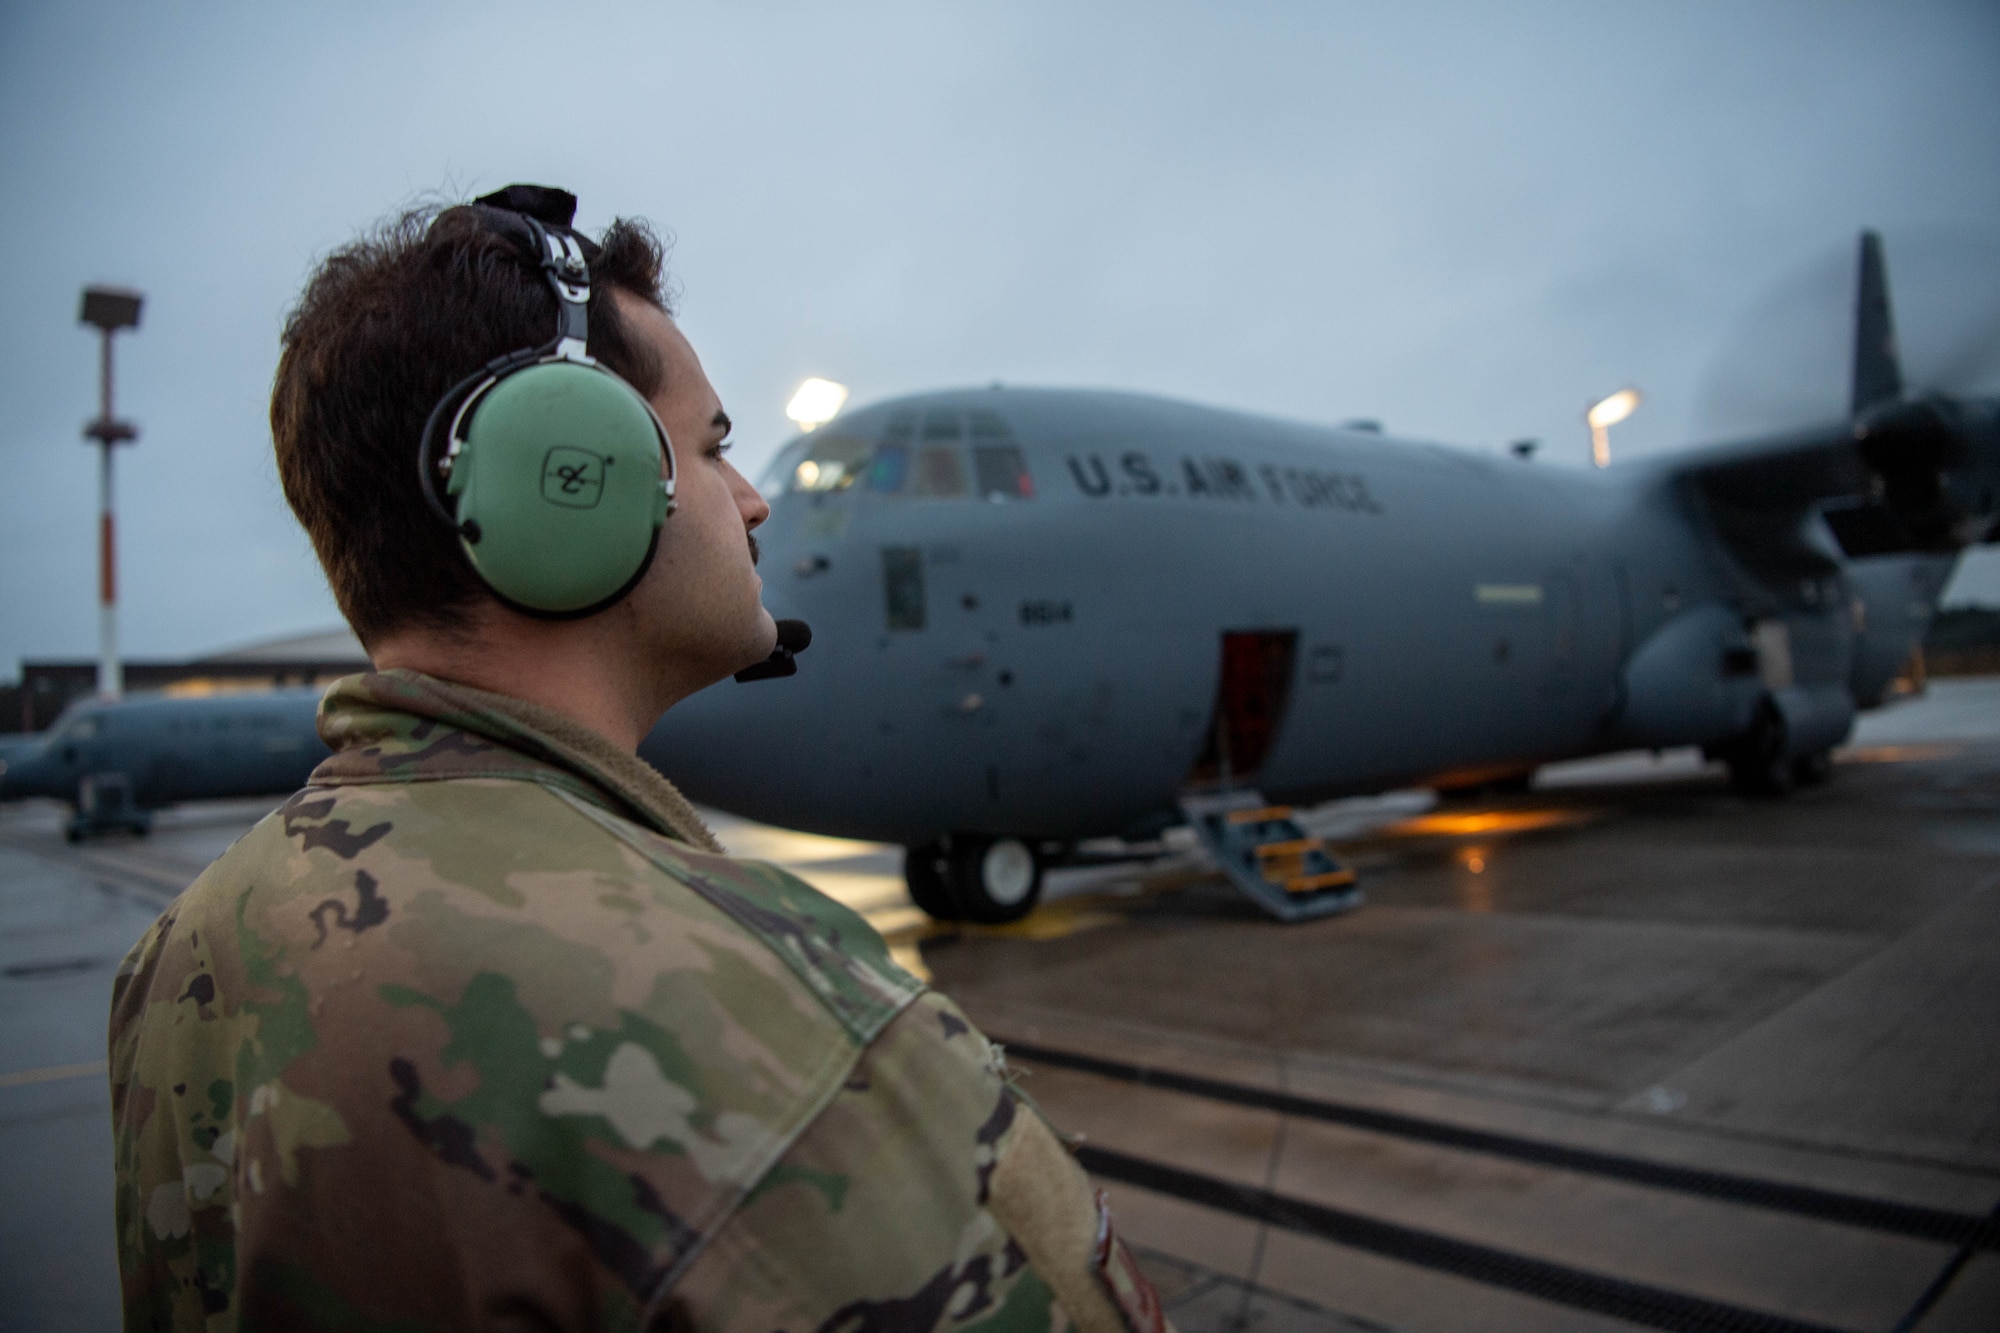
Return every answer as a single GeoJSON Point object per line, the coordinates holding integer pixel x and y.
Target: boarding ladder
{"type": "Point", "coordinates": [1265, 853]}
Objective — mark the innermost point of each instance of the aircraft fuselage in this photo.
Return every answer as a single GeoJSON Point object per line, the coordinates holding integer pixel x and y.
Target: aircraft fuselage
{"type": "Point", "coordinates": [161, 749]}
{"type": "Point", "coordinates": [1054, 658]}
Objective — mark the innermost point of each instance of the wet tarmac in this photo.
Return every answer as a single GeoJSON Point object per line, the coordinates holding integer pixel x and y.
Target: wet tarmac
{"type": "Point", "coordinates": [1626, 1050]}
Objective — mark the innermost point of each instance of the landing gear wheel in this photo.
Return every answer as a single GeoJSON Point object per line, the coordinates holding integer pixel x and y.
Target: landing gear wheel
{"type": "Point", "coordinates": [926, 871]}
{"type": "Point", "coordinates": [1507, 784]}
{"type": "Point", "coordinates": [1810, 770]}
{"type": "Point", "coordinates": [1758, 764]}
{"type": "Point", "coordinates": [994, 879]}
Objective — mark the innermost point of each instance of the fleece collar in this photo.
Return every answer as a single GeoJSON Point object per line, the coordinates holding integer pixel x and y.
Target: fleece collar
{"type": "Point", "coordinates": [404, 726]}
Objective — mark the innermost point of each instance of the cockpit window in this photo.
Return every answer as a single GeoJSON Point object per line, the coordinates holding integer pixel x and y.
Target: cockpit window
{"type": "Point", "coordinates": [777, 476]}
{"type": "Point", "coordinates": [997, 463]}
{"type": "Point", "coordinates": [1001, 472]}
{"type": "Point", "coordinates": [889, 470]}
{"type": "Point", "coordinates": [941, 424]}
{"type": "Point", "coordinates": [832, 464]}
{"type": "Point", "coordinates": [940, 472]}
{"type": "Point", "coordinates": [921, 452]}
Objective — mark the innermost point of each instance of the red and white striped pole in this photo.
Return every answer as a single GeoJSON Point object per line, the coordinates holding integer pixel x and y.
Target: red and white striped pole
{"type": "Point", "coordinates": [109, 309]}
{"type": "Point", "coordinates": [110, 671]}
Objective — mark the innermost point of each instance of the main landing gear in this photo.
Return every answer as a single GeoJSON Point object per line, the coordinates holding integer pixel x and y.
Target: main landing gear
{"type": "Point", "coordinates": [1761, 763]}
{"type": "Point", "coordinates": [104, 803]}
{"type": "Point", "coordinates": [974, 877]}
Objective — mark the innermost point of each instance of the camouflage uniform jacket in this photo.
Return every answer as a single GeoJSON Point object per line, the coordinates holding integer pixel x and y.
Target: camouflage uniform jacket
{"type": "Point", "coordinates": [481, 1030]}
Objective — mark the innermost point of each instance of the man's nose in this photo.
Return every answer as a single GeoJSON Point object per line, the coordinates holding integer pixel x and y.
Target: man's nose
{"type": "Point", "coordinates": [752, 505]}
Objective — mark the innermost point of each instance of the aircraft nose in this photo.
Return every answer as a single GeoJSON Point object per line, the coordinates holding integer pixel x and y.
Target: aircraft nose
{"type": "Point", "coordinates": [743, 747]}
{"type": "Point", "coordinates": [10, 775]}
{"type": "Point", "coordinates": [19, 777]}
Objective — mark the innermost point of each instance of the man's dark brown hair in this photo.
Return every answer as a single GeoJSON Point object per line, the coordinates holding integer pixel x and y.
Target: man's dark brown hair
{"type": "Point", "coordinates": [385, 327]}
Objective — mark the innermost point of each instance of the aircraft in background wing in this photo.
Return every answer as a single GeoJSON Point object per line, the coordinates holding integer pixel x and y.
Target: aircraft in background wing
{"type": "Point", "coordinates": [1045, 616]}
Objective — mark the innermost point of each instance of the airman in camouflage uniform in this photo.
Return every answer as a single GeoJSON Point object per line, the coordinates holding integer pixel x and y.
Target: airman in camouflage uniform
{"type": "Point", "coordinates": [482, 1030]}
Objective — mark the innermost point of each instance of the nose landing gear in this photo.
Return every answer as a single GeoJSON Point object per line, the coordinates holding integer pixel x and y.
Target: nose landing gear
{"type": "Point", "coordinates": [974, 877]}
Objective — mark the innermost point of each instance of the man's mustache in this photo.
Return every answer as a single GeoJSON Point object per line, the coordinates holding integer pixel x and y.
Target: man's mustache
{"type": "Point", "coordinates": [756, 552]}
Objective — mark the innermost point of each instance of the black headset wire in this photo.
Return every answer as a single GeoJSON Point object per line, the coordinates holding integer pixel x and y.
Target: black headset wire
{"type": "Point", "coordinates": [427, 477]}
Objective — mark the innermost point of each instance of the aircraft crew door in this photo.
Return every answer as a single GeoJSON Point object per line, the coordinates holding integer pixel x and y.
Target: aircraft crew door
{"type": "Point", "coordinates": [1560, 606]}
{"type": "Point", "coordinates": [1251, 694]}
{"type": "Point", "coordinates": [1589, 627]}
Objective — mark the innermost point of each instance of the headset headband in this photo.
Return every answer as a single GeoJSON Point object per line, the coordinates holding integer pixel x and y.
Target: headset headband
{"type": "Point", "coordinates": [569, 277]}
{"type": "Point", "coordinates": [540, 216]}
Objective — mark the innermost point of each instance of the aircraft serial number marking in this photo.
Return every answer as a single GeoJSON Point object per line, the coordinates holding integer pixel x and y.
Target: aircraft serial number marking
{"type": "Point", "coordinates": [1220, 478]}
{"type": "Point", "coordinates": [1046, 613]}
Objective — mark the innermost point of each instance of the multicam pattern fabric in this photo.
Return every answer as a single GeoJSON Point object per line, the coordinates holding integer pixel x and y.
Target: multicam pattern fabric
{"type": "Point", "coordinates": [477, 1031]}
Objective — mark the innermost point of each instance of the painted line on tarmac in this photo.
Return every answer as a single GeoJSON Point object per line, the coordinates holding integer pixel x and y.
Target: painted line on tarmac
{"type": "Point", "coordinates": [1941, 1283]}
{"type": "Point", "coordinates": [152, 881]}
{"type": "Point", "coordinates": [48, 967]}
{"type": "Point", "coordinates": [22, 1078]}
{"type": "Point", "coordinates": [1900, 1219]}
{"type": "Point", "coordinates": [1654, 1307]}
{"type": "Point", "coordinates": [158, 884]}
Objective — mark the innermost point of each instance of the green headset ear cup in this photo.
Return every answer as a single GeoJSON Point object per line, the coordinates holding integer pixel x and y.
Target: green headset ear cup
{"type": "Point", "coordinates": [558, 476]}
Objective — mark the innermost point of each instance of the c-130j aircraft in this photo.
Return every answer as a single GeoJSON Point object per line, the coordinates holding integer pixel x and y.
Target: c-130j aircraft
{"type": "Point", "coordinates": [1047, 616]}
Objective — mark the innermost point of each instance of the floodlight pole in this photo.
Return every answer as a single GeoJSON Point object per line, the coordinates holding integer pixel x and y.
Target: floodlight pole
{"type": "Point", "coordinates": [109, 309]}
{"type": "Point", "coordinates": [1605, 413]}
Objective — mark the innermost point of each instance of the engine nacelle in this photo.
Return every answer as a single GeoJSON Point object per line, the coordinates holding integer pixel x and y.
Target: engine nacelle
{"type": "Point", "coordinates": [1693, 682]}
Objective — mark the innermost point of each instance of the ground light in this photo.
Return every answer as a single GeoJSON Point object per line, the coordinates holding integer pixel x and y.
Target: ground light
{"type": "Point", "coordinates": [108, 309]}
{"type": "Point", "coordinates": [1605, 413]}
{"type": "Point", "coordinates": [817, 402]}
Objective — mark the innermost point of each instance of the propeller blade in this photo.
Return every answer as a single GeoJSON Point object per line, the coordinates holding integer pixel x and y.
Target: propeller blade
{"type": "Point", "coordinates": [1788, 362]}
{"type": "Point", "coordinates": [1945, 283]}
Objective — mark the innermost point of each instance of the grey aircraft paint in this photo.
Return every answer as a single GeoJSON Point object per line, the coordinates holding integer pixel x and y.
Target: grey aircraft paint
{"type": "Point", "coordinates": [1048, 666]}
{"type": "Point", "coordinates": [156, 750]}
{"type": "Point", "coordinates": [1048, 656]}
{"type": "Point", "coordinates": [1047, 615]}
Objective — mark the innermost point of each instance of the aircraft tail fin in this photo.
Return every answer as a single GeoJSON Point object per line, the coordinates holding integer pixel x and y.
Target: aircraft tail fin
{"type": "Point", "coordinates": [1878, 371]}
{"type": "Point", "coordinates": [1903, 475]}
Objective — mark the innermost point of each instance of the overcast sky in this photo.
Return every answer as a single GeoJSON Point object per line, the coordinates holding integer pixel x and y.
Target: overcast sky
{"type": "Point", "coordinates": [1467, 221]}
